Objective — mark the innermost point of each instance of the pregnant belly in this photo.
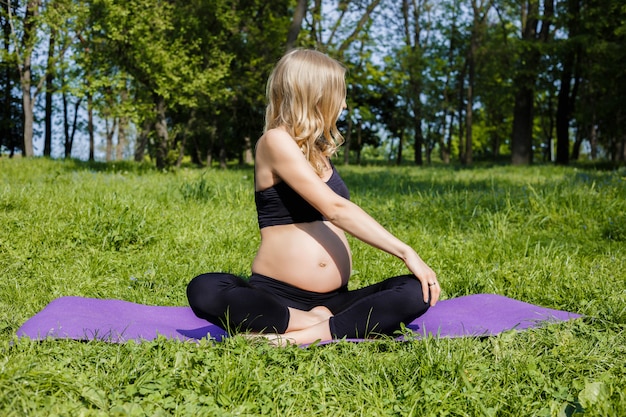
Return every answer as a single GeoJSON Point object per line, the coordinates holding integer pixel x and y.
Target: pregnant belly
{"type": "Point", "coordinates": [311, 256]}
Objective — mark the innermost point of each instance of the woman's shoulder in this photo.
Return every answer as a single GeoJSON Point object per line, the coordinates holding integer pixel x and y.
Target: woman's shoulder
{"type": "Point", "coordinates": [277, 155]}
{"type": "Point", "coordinates": [277, 140]}
{"type": "Point", "coordinates": [276, 135]}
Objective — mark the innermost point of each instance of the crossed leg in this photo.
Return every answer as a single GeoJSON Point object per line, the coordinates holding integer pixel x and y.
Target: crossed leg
{"type": "Point", "coordinates": [225, 298]}
{"type": "Point", "coordinates": [304, 327]}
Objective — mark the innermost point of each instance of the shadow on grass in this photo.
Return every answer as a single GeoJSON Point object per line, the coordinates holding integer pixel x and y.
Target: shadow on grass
{"type": "Point", "coordinates": [140, 167]}
{"type": "Point", "coordinates": [483, 178]}
{"type": "Point", "coordinates": [383, 180]}
{"type": "Point", "coordinates": [108, 167]}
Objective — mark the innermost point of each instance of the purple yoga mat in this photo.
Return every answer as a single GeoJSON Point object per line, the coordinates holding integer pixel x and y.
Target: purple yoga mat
{"type": "Point", "coordinates": [115, 321]}
{"type": "Point", "coordinates": [120, 321]}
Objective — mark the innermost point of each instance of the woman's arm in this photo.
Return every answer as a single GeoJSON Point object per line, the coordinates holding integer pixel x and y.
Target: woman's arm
{"type": "Point", "coordinates": [277, 150]}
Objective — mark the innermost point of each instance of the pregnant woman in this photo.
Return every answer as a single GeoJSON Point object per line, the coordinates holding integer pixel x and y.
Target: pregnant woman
{"type": "Point", "coordinates": [298, 289]}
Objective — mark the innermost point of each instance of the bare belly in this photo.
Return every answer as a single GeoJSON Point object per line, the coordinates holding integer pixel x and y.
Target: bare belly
{"type": "Point", "coordinates": [312, 256]}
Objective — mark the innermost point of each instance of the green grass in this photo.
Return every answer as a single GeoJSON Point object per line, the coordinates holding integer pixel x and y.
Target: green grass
{"type": "Point", "coordinates": [546, 235]}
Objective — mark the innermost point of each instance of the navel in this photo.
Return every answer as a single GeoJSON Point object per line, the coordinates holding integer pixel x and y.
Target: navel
{"type": "Point", "coordinates": [322, 264]}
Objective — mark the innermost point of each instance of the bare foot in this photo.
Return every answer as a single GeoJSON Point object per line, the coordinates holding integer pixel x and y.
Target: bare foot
{"type": "Point", "coordinates": [300, 319]}
{"type": "Point", "coordinates": [321, 312]}
{"type": "Point", "coordinates": [304, 327]}
{"type": "Point", "coordinates": [317, 332]}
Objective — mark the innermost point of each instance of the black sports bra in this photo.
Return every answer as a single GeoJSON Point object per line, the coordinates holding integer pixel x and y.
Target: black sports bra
{"type": "Point", "coordinates": [280, 204]}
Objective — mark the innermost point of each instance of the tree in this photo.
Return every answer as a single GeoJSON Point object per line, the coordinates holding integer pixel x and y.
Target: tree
{"type": "Point", "coordinates": [29, 23]}
{"type": "Point", "coordinates": [63, 22]}
{"type": "Point", "coordinates": [442, 73]}
{"type": "Point", "coordinates": [336, 32]}
{"type": "Point", "coordinates": [480, 11]}
{"type": "Point", "coordinates": [187, 77]}
{"type": "Point", "coordinates": [600, 115]}
{"type": "Point", "coordinates": [372, 104]}
{"type": "Point", "coordinates": [567, 94]}
{"type": "Point", "coordinates": [495, 84]}
{"type": "Point", "coordinates": [416, 39]}
{"type": "Point", "coordinates": [296, 23]}
{"type": "Point", "coordinates": [11, 112]}
{"type": "Point", "coordinates": [532, 38]}
{"type": "Point", "coordinates": [70, 87]}
{"type": "Point", "coordinates": [25, 39]}
{"type": "Point", "coordinates": [260, 43]}
{"type": "Point", "coordinates": [47, 147]}
{"type": "Point", "coordinates": [174, 66]}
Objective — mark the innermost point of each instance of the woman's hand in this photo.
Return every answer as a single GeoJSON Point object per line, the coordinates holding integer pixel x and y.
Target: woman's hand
{"type": "Point", "coordinates": [426, 276]}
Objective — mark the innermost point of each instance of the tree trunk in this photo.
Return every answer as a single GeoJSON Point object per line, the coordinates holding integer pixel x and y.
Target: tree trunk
{"type": "Point", "coordinates": [412, 40]}
{"type": "Point", "coordinates": [419, 138]}
{"type": "Point", "coordinates": [181, 150]}
{"type": "Point", "coordinates": [479, 12]}
{"type": "Point", "coordinates": [296, 23]}
{"type": "Point", "coordinates": [47, 143]}
{"type": "Point", "coordinates": [160, 126]}
{"type": "Point", "coordinates": [196, 152]}
{"type": "Point", "coordinates": [70, 139]}
{"type": "Point", "coordinates": [121, 129]}
{"type": "Point", "coordinates": [109, 138]}
{"type": "Point", "coordinates": [523, 113]}
{"type": "Point", "coordinates": [495, 144]}
{"type": "Point", "coordinates": [429, 148]}
{"type": "Point", "coordinates": [212, 135]}
{"type": "Point", "coordinates": [315, 26]}
{"type": "Point", "coordinates": [248, 157]}
{"type": "Point", "coordinates": [29, 117]}
{"type": "Point", "coordinates": [469, 113]}
{"type": "Point", "coordinates": [563, 113]}
{"type": "Point", "coordinates": [122, 141]}
{"type": "Point", "coordinates": [400, 146]}
{"type": "Point", "coordinates": [620, 152]}
{"type": "Point", "coordinates": [593, 137]}
{"type": "Point", "coordinates": [577, 143]}
{"type": "Point", "coordinates": [358, 28]}
{"type": "Point", "coordinates": [548, 129]}
{"type": "Point", "coordinates": [6, 116]}
{"type": "Point", "coordinates": [67, 146]}
{"type": "Point", "coordinates": [461, 89]}
{"type": "Point", "coordinates": [142, 141]}
{"type": "Point", "coordinates": [446, 150]}
{"type": "Point", "coordinates": [566, 99]}
{"type": "Point", "coordinates": [522, 140]}
{"type": "Point", "coordinates": [92, 144]}
{"type": "Point", "coordinates": [222, 155]}
{"type": "Point", "coordinates": [447, 119]}
{"type": "Point", "coordinates": [28, 41]}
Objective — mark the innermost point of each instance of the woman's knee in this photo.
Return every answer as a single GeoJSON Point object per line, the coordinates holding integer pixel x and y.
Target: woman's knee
{"type": "Point", "coordinates": [409, 296]}
{"type": "Point", "coordinates": [205, 290]}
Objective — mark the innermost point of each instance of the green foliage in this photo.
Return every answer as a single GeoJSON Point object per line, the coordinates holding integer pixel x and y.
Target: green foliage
{"type": "Point", "coordinates": [165, 46]}
{"type": "Point", "coordinates": [257, 41]}
{"type": "Point", "coordinates": [126, 231]}
{"type": "Point", "coordinates": [204, 64]}
{"type": "Point", "coordinates": [176, 55]}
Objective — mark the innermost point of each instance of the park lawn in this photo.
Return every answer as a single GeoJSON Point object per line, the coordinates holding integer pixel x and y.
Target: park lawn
{"type": "Point", "coordinates": [552, 236]}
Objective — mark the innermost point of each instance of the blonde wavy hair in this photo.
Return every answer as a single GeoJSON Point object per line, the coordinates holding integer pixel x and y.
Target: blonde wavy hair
{"type": "Point", "coordinates": [305, 94]}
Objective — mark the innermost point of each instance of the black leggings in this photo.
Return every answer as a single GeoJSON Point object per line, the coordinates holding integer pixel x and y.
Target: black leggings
{"type": "Point", "coordinates": [261, 304]}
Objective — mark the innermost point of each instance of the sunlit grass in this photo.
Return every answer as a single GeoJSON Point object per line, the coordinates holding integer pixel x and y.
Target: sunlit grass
{"type": "Point", "coordinates": [546, 235]}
